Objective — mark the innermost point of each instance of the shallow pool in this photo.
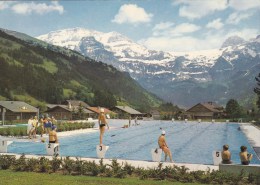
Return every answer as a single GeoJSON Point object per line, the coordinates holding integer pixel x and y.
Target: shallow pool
{"type": "Point", "coordinates": [190, 142]}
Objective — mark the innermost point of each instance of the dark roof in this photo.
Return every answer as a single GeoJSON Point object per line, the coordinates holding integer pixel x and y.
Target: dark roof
{"type": "Point", "coordinates": [18, 106]}
{"type": "Point", "coordinates": [211, 106]}
{"type": "Point", "coordinates": [77, 103]}
{"type": "Point", "coordinates": [65, 107]}
{"type": "Point", "coordinates": [128, 110]}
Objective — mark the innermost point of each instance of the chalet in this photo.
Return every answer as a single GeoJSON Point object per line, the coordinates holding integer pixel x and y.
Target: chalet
{"type": "Point", "coordinates": [76, 103]}
{"type": "Point", "coordinates": [65, 112]}
{"type": "Point", "coordinates": [208, 110]}
{"type": "Point", "coordinates": [125, 111]}
{"type": "Point", "coordinates": [17, 110]}
{"type": "Point", "coordinates": [155, 114]}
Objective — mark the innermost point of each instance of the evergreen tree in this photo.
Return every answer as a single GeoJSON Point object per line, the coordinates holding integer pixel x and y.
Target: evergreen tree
{"type": "Point", "coordinates": [257, 90]}
{"type": "Point", "coordinates": [233, 109]}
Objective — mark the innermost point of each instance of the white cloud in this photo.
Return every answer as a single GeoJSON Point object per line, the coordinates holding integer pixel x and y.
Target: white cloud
{"type": "Point", "coordinates": [192, 9]}
{"type": "Point", "coordinates": [216, 24]}
{"type": "Point", "coordinates": [167, 29]}
{"type": "Point", "coordinates": [162, 28]}
{"type": "Point", "coordinates": [38, 8]}
{"type": "Point", "coordinates": [211, 40]}
{"type": "Point", "coordinates": [5, 4]}
{"type": "Point", "coordinates": [131, 13]}
{"type": "Point", "coordinates": [236, 17]}
{"type": "Point", "coordinates": [184, 28]}
{"type": "Point", "coordinates": [244, 4]}
{"type": "Point", "coordinates": [246, 33]}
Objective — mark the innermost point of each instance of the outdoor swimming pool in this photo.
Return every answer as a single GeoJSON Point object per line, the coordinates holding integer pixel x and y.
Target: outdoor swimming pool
{"type": "Point", "coordinates": [190, 142]}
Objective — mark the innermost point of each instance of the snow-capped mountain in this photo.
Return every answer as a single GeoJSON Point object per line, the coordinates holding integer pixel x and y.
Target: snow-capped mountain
{"type": "Point", "coordinates": [181, 78]}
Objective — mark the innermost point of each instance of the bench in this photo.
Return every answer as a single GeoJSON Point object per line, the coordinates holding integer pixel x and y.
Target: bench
{"type": "Point", "coordinates": [237, 168]}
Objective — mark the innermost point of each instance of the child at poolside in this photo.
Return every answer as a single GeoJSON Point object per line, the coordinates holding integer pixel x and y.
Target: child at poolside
{"type": "Point", "coordinates": [226, 155]}
{"type": "Point", "coordinates": [244, 156]}
{"type": "Point", "coordinates": [163, 145]}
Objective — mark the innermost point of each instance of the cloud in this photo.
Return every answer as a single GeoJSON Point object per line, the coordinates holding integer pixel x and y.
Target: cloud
{"type": "Point", "coordinates": [162, 28]}
{"type": "Point", "coordinates": [131, 13]}
{"type": "Point", "coordinates": [168, 29]}
{"type": "Point", "coordinates": [38, 8]}
{"type": "Point", "coordinates": [5, 4]}
{"type": "Point", "coordinates": [192, 9]}
{"type": "Point", "coordinates": [236, 17]}
{"type": "Point", "coordinates": [184, 28]}
{"type": "Point", "coordinates": [216, 24]}
{"type": "Point", "coordinates": [211, 40]}
{"type": "Point", "coordinates": [244, 4]}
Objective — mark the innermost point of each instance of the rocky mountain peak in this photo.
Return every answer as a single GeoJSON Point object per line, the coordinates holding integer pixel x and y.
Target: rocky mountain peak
{"type": "Point", "coordinates": [233, 41]}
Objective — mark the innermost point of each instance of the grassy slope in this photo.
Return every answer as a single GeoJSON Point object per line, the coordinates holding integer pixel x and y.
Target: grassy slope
{"type": "Point", "coordinates": [76, 74]}
{"type": "Point", "coordinates": [29, 178]}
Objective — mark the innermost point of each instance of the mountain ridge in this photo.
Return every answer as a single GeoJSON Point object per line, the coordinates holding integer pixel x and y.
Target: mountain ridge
{"type": "Point", "coordinates": [165, 70]}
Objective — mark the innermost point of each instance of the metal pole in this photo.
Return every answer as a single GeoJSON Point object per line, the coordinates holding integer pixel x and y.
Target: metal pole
{"type": "Point", "coordinates": [3, 116]}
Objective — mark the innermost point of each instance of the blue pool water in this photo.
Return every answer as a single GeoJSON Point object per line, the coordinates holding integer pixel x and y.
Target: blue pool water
{"type": "Point", "coordinates": [190, 142]}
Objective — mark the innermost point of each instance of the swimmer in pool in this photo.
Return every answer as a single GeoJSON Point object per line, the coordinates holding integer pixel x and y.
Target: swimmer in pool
{"type": "Point", "coordinates": [163, 145]}
{"type": "Point", "coordinates": [102, 123]}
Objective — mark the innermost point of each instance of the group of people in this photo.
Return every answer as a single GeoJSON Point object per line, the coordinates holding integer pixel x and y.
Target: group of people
{"type": "Point", "coordinates": [245, 157]}
{"type": "Point", "coordinates": [46, 125]}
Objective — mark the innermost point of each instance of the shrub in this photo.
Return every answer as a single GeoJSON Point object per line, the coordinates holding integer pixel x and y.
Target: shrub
{"type": "Point", "coordinates": [55, 164]}
{"type": "Point", "coordinates": [44, 165]}
{"type": "Point", "coordinates": [6, 161]}
{"type": "Point", "coordinates": [20, 164]}
{"type": "Point", "coordinates": [67, 165]}
{"type": "Point", "coordinates": [32, 165]}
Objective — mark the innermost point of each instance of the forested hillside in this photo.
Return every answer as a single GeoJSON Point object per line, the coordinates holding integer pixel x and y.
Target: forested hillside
{"type": "Point", "coordinates": [40, 73]}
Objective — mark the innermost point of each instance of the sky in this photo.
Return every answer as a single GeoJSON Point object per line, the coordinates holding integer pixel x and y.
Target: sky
{"type": "Point", "coordinates": [166, 25]}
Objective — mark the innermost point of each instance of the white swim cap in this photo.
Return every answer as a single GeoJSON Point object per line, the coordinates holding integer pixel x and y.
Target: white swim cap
{"type": "Point", "coordinates": [163, 132]}
{"type": "Point", "coordinates": [102, 110]}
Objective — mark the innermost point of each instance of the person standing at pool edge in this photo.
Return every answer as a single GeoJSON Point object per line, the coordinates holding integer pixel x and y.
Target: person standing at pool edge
{"type": "Point", "coordinates": [102, 123]}
{"type": "Point", "coordinates": [163, 145]}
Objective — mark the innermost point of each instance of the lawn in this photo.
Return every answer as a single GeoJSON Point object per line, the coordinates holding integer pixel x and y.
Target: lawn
{"type": "Point", "coordinates": [9, 177]}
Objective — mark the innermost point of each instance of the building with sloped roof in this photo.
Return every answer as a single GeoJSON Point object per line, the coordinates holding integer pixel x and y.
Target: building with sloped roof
{"type": "Point", "coordinates": [76, 103]}
{"type": "Point", "coordinates": [66, 112]}
{"type": "Point", "coordinates": [17, 110]}
{"type": "Point", "coordinates": [125, 111]}
{"type": "Point", "coordinates": [207, 110]}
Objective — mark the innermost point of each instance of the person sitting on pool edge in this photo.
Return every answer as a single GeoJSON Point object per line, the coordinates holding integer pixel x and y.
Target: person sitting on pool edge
{"type": "Point", "coordinates": [102, 123]}
{"type": "Point", "coordinates": [163, 145]}
{"type": "Point", "coordinates": [226, 155]}
{"type": "Point", "coordinates": [53, 135]}
{"type": "Point", "coordinates": [244, 156]}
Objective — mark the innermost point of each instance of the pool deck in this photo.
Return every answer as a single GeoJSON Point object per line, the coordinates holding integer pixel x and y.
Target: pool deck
{"type": "Point", "coordinates": [134, 163]}
{"type": "Point", "coordinates": [253, 136]}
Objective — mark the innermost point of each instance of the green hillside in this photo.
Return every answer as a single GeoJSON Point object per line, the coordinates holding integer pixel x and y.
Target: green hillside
{"type": "Point", "coordinates": [39, 73]}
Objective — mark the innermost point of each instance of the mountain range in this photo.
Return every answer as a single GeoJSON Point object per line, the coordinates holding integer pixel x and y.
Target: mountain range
{"type": "Point", "coordinates": [38, 73]}
{"type": "Point", "coordinates": [183, 78]}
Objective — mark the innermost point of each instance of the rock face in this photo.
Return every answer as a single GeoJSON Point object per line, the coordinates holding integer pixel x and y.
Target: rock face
{"type": "Point", "coordinates": [182, 78]}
